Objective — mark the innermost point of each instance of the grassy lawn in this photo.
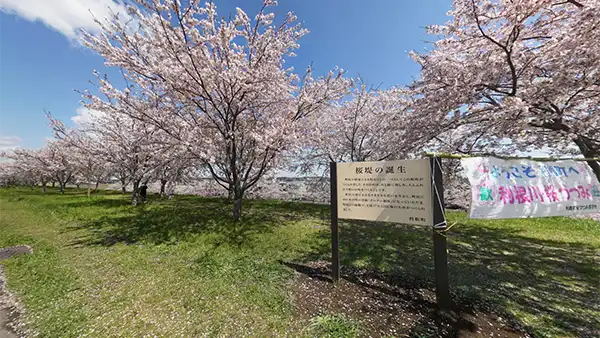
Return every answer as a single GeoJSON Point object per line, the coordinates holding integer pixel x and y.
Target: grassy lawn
{"type": "Point", "coordinates": [180, 268]}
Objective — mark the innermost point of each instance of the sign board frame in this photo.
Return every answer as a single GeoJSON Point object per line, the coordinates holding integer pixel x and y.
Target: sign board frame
{"type": "Point", "coordinates": [397, 191]}
{"type": "Point", "coordinates": [437, 221]}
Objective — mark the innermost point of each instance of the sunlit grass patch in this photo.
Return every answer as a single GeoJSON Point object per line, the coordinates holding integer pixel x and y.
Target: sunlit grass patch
{"type": "Point", "coordinates": [333, 326]}
{"type": "Point", "coordinates": [181, 267]}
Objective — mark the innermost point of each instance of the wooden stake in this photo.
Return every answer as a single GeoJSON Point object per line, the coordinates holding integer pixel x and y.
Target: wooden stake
{"type": "Point", "coordinates": [440, 248]}
{"type": "Point", "coordinates": [335, 239]}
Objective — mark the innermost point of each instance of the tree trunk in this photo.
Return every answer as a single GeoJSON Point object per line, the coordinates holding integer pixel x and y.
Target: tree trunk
{"type": "Point", "coordinates": [135, 196]}
{"type": "Point", "coordinates": [53, 184]}
{"type": "Point", "coordinates": [77, 185]}
{"type": "Point", "coordinates": [97, 184]}
{"type": "Point", "coordinates": [123, 187]}
{"type": "Point", "coordinates": [163, 183]}
{"type": "Point", "coordinates": [89, 192]}
{"type": "Point", "coordinates": [588, 152]}
{"type": "Point", "coordinates": [230, 194]}
{"type": "Point", "coordinates": [62, 187]}
{"type": "Point", "coordinates": [44, 187]}
{"type": "Point", "coordinates": [238, 195]}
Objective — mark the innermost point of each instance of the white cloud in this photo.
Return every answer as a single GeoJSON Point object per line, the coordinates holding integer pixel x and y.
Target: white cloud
{"type": "Point", "coordinates": [85, 116]}
{"type": "Point", "coordinates": [65, 16]}
{"type": "Point", "coordinates": [9, 142]}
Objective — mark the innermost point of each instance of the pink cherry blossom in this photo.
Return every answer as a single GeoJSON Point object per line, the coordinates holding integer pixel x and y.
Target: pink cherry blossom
{"type": "Point", "coordinates": [515, 75]}
{"type": "Point", "coordinates": [221, 86]}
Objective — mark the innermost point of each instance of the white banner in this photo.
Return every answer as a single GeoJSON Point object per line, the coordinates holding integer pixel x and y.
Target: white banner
{"type": "Point", "coordinates": [525, 188]}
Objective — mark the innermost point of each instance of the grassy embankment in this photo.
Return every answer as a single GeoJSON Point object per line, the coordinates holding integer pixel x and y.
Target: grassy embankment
{"type": "Point", "coordinates": [180, 268]}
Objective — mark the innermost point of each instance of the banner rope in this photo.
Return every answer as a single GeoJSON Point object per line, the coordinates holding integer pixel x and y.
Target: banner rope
{"type": "Point", "coordinates": [442, 226]}
{"type": "Point", "coordinates": [532, 158]}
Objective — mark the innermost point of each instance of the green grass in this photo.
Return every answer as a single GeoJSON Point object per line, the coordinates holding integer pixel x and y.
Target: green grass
{"type": "Point", "coordinates": [333, 326]}
{"type": "Point", "coordinates": [180, 267]}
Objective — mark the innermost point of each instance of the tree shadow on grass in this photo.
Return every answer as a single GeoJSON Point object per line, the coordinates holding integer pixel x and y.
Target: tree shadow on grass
{"type": "Point", "coordinates": [170, 221]}
{"type": "Point", "coordinates": [403, 252]}
{"type": "Point", "coordinates": [54, 198]}
{"type": "Point", "coordinates": [556, 285]}
{"type": "Point", "coordinates": [290, 210]}
{"type": "Point", "coordinates": [387, 305]}
{"type": "Point", "coordinates": [99, 202]}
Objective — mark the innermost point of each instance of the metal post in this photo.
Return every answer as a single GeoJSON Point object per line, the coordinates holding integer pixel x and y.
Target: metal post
{"type": "Point", "coordinates": [440, 250]}
{"type": "Point", "coordinates": [335, 239]}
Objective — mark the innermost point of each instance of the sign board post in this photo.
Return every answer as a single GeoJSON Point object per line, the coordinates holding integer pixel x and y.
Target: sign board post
{"type": "Point", "coordinates": [440, 249]}
{"type": "Point", "coordinates": [335, 238]}
{"type": "Point", "coordinates": [402, 191]}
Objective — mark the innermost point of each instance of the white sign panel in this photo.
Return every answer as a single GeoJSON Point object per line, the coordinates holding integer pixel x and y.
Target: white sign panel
{"type": "Point", "coordinates": [389, 191]}
{"type": "Point", "coordinates": [525, 188]}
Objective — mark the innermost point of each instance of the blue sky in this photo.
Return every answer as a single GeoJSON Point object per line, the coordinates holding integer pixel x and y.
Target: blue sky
{"type": "Point", "coordinates": [41, 62]}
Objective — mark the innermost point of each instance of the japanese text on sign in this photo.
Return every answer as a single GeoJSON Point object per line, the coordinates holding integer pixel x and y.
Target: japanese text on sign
{"type": "Point", "coordinates": [391, 191]}
{"type": "Point", "coordinates": [524, 188]}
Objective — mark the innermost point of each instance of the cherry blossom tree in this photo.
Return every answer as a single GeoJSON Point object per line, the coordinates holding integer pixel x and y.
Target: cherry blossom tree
{"type": "Point", "coordinates": [7, 173]}
{"type": "Point", "coordinates": [226, 93]}
{"type": "Point", "coordinates": [57, 155]}
{"type": "Point", "coordinates": [133, 149]}
{"type": "Point", "coordinates": [25, 166]}
{"type": "Point", "coordinates": [174, 171]}
{"type": "Point", "coordinates": [54, 161]}
{"type": "Point", "coordinates": [517, 75]}
{"type": "Point", "coordinates": [372, 125]}
{"type": "Point", "coordinates": [91, 169]}
{"type": "Point", "coordinates": [22, 167]}
{"type": "Point", "coordinates": [121, 174]}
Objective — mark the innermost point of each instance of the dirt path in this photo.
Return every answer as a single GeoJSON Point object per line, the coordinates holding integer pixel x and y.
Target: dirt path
{"type": "Point", "coordinates": [6, 309]}
{"type": "Point", "coordinates": [387, 307]}
{"type": "Point", "coordinates": [9, 307]}
{"type": "Point", "coordinates": [5, 332]}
